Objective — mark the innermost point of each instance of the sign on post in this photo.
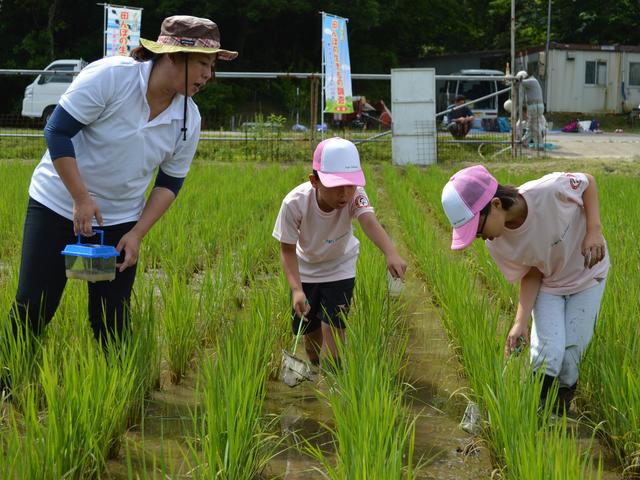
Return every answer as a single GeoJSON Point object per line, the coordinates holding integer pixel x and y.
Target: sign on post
{"type": "Point", "coordinates": [122, 30]}
{"type": "Point", "coordinates": [335, 47]}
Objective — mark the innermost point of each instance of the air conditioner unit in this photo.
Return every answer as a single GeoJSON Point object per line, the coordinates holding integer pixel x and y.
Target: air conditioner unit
{"type": "Point", "coordinates": [571, 56]}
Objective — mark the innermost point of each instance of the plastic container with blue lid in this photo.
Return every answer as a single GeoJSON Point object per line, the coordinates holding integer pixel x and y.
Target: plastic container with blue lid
{"type": "Point", "coordinates": [90, 262]}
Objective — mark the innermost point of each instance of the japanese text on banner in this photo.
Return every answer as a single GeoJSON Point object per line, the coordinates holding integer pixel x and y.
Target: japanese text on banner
{"type": "Point", "coordinates": [122, 30]}
{"type": "Point", "coordinates": [335, 46]}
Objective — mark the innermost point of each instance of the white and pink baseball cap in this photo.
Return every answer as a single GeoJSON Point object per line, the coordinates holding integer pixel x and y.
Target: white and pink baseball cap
{"type": "Point", "coordinates": [338, 163]}
{"type": "Point", "coordinates": [463, 197]}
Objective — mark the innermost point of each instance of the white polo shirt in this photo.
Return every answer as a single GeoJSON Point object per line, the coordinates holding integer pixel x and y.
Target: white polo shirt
{"type": "Point", "coordinates": [119, 149]}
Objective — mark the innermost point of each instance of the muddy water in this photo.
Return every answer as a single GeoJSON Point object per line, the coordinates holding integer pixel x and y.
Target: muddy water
{"type": "Point", "coordinates": [436, 398]}
{"type": "Point", "coordinates": [302, 413]}
{"type": "Point", "coordinates": [433, 376]}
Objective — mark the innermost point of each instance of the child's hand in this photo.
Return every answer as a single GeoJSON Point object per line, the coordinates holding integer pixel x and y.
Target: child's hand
{"type": "Point", "coordinates": [396, 266]}
{"type": "Point", "coordinates": [518, 337]}
{"type": "Point", "coordinates": [300, 304]}
{"type": "Point", "coordinates": [593, 248]}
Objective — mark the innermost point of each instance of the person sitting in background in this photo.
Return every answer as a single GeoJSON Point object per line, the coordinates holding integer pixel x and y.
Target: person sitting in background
{"type": "Point", "coordinates": [460, 119]}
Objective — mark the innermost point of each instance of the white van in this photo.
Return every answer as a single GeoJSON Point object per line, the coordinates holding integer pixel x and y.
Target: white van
{"type": "Point", "coordinates": [41, 96]}
{"type": "Point", "coordinates": [472, 89]}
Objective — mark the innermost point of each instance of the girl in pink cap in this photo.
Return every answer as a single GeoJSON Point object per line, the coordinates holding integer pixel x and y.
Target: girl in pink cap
{"type": "Point", "coordinates": [546, 235]}
{"type": "Point", "coordinates": [318, 248]}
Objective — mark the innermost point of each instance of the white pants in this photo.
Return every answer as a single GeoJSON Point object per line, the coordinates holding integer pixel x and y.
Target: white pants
{"type": "Point", "coordinates": [562, 329]}
{"type": "Point", "coordinates": [536, 125]}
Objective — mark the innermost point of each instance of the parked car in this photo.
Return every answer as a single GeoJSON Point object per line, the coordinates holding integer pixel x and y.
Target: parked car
{"type": "Point", "coordinates": [471, 89]}
{"type": "Point", "coordinates": [42, 95]}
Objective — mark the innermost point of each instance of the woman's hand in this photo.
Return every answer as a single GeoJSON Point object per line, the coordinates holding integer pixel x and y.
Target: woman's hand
{"type": "Point", "coordinates": [396, 265]}
{"type": "Point", "coordinates": [514, 339]}
{"type": "Point", "coordinates": [130, 242]}
{"type": "Point", "coordinates": [593, 248]}
{"type": "Point", "coordinates": [300, 303]}
{"type": "Point", "coordinates": [84, 210]}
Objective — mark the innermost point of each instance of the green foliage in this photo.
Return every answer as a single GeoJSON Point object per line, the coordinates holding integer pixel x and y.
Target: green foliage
{"type": "Point", "coordinates": [282, 35]}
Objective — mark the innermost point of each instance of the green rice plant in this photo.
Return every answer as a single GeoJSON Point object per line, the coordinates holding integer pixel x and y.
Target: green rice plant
{"type": "Point", "coordinates": [181, 332]}
{"type": "Point", "coordinates": [232, 441]}
{"type": "Point", "coordinates": [20, 353]}
{"type": "Point", "coordinates": [374, 432]}
{"type": "Point", "coordinates": [86, 396]}
{"type": "Point", "coordinates": [218, 288]}
{"type": "Point", "coordinates": [13, 206]}
{"type": "Point", "coordinates": [609, 384]}
{"type": "Point", "coordinates": [147, 356]}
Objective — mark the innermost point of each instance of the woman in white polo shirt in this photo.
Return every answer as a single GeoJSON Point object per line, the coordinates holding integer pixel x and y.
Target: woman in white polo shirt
{"type": "Point", "coordinates": [122, 120]}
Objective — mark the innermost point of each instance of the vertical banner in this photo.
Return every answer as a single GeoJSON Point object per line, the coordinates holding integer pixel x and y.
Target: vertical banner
{"type": "Point", "coordinates": [335, 46]}
{"type": "Point", "coordinates": [122, 30]}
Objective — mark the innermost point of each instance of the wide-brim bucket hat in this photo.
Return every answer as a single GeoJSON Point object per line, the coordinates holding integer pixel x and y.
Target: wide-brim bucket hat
{"type": "Point", "coordinates": [184, 33]}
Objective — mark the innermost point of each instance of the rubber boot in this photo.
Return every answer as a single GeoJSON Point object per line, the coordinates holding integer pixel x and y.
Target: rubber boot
{"type": "Point", "coordinates": [547, 383]}
{"type": "Point", "coordinates": [565, 395]}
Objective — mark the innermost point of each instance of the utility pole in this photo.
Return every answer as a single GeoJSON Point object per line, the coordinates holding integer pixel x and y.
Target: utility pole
{"type": "Point", "coordinates": [546, 55]}
{"type": "Point", "coordinates": [514, 101]}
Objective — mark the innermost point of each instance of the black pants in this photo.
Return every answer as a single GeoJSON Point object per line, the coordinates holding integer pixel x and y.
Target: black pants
{"type": "Point", "coordinates": [42, 276]}
{"type": "Point", "coordinates": [329, 302]}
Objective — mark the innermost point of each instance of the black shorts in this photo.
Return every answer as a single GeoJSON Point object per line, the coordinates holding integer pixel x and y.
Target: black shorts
{"type": "Point", "coordinates": [329, 302]}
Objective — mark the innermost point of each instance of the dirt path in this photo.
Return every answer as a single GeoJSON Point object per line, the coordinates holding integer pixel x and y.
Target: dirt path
{"type": "Point", "coordinates": [594, 145]}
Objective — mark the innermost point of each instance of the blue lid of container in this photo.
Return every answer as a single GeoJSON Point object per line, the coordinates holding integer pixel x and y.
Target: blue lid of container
{"type": "Point", "coordinates": [88, 250]}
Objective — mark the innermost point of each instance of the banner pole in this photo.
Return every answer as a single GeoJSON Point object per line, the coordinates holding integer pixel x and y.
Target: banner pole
{"type": "Point", "coordinates": [322, 75]}
{"type": "Point", "coordinates": [105, 7]}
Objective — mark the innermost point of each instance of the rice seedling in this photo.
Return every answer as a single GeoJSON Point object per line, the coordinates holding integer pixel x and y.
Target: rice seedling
{"type": "Point", "coordinates": [85, 397]}
{"type": "Point", "coordinates": [374, 432]}
{"type": "Point", "coordinates": [232, 441]}
{"type": "Point", "coordinates": [181, 337]}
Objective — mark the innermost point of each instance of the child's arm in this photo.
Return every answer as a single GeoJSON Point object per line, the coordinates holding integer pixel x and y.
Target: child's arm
{"type": "Point", "coordinates": [290, 266]}
{"type": "Point", "coordinates": [529, 287]}
{"type": "Point", "coordinates": [379, 237]}
{"type": "Point", "coordinates": [593, 246]}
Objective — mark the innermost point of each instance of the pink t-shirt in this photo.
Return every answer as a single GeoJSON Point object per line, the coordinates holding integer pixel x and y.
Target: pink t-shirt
{"type": "Point", "coordinates": [326, 248]}
{"type": "Point", "coordinates": [551, 236]}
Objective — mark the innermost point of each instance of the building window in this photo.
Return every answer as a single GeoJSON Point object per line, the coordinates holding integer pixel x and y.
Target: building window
{"type": "Point", "coordinates": [595, 72]}
{"type": "Point", "coordinates": [634, 74]}
{"type": "Point", "coordinates": [58, 78]}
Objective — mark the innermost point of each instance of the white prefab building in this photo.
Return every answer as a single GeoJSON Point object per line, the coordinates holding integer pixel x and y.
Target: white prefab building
{"type": "Point", "coordinates": [587, 78]}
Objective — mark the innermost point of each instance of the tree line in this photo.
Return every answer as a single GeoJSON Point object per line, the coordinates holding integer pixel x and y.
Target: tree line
{"type": "Point", "coordinates": [284, 35]}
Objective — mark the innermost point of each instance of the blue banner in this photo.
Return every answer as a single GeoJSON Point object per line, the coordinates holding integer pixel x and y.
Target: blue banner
{"type": "Point", "coordinates": [337, 66]}
{"type": "Point", "coordinates": [122, 31]}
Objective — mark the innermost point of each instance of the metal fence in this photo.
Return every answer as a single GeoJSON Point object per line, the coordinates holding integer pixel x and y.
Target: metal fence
{"type": "Point", "coordinates": [22, 138]}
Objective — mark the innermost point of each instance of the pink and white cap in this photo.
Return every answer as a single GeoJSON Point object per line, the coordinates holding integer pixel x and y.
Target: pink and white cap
{"type": "Point", "coordinates": [463, 197]}
{"type": "Point", "coordinates": [338, 163]}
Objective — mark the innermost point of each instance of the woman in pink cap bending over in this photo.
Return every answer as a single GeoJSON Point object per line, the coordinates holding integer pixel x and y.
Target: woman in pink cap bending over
{"type": "Point", "coordinates": [546, 235]}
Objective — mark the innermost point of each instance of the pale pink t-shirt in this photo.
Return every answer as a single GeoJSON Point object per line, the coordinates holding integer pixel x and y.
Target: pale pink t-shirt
{"type": "Point", "coordinates": [550, 238]}
{"type": "Point", "coordinates": [326, 248]}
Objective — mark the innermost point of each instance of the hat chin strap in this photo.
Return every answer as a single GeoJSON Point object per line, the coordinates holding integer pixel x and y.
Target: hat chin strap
{"type": "Point", "coordinates": [186, 87]}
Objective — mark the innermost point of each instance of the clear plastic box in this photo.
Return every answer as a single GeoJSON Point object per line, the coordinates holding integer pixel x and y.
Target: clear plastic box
{"type": "Point", "coordinates": [90, 262]}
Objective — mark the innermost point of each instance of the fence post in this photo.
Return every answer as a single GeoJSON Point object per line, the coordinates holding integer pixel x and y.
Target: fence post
{"type": "Point", "coordinates": [313, 86]}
